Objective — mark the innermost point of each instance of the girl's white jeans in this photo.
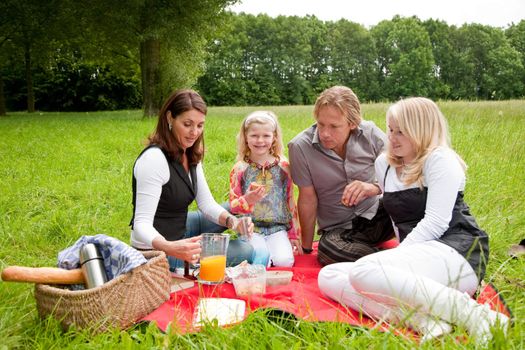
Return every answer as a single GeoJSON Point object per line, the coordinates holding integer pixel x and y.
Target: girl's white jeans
{"type": "Point", "coordinates": [274, 249]}
{"type": "Point", "coordinates": [430, 278]}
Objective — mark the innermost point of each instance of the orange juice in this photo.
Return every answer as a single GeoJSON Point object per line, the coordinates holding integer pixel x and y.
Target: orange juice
{"type": "Point", "coordinates": [212, 268]}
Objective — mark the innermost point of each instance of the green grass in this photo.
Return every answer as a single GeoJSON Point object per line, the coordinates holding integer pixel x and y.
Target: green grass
{"type": "Point", "coordinates": [63, 175]}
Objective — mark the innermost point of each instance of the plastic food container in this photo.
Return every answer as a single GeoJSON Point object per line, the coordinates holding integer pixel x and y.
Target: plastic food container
{"type": "Point", "coordinates": [249, 280]}
{"type": "Point", "coordinates": [278, 278]}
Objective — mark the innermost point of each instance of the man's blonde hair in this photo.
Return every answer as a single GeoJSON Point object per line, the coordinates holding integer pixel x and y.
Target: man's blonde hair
{"type": "Point", "coordinates": [342, 98]}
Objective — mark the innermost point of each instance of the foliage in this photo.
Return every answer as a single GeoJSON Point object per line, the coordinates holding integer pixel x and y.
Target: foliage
{"type": "Point", "coordinates": [258, 60]}
{"type": "Point", "coordinates": [29, 28]}
{"type": "Point", "coordinates": [162, 42]}
{"type": "Point", "coordinates": [405, 57]}
{"type": "Point", "coordinates": [352, 59]}
{"type": "Point", "coordinates": [516, 36]}
{"type": "Point", "coordinates": [69, 174]}
{"type": "Point", "coordinates": [167, 36]}
{"type": "Point", "coordinates": [495, 63]}
{"type": "Point", "coordinates": [70, 83]}
{"type": "Point", "coordinates": [66, 55]}
{"type": "Point", "coordinates": [265, 61]}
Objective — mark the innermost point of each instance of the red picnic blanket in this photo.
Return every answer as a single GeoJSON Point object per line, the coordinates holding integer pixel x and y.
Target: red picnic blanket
{"type": "Point", "coordinates": [301, 297]}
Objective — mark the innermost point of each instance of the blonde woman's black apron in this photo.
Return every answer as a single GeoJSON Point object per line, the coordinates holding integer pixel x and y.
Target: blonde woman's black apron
{"type": "Point", "coordinates": [407, 208]}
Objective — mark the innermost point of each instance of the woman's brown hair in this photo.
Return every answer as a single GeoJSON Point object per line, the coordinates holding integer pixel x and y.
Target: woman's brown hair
{"type": "Point", "coordinates": [177, 103]}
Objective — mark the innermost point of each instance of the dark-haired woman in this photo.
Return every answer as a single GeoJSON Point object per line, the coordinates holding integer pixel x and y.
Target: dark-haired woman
{"type": "Point", "coordinates": [168, 176]}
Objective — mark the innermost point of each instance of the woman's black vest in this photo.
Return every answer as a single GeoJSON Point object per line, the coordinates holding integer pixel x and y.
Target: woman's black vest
{"type": "Point", "coordinates": [175, 198]}
{"type": "Point", "coordinates": [407, 209]}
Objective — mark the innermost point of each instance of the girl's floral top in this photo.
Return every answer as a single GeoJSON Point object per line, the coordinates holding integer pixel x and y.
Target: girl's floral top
{"type": "Point", "coordinates": [274, 212]}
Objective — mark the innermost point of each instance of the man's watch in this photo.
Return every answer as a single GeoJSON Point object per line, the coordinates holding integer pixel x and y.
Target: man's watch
{"type": "Point", "coordinates": [307, 250]}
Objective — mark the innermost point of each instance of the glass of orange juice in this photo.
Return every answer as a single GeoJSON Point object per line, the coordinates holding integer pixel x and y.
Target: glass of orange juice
{"type": "Point", "coordinates": [213, 257]}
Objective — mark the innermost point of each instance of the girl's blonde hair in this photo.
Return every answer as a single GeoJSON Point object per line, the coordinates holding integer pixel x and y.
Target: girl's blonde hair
{"type": "Point", "coordinates": [263, 118]}
{"type": "Point", "coordinates": [420, 120]}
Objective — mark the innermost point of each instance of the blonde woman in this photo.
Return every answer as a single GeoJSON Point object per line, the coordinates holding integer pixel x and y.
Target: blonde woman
{"type": "Point", "coordinates": [429, 279]}
{"type": "Point", "coordinates": [262, 188]}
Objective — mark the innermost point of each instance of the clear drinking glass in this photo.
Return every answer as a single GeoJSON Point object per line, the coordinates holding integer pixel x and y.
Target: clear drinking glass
{"type": "Point", "coordinates": [213, 257]}
{"type": "Point", "coordinates": [244, 223]}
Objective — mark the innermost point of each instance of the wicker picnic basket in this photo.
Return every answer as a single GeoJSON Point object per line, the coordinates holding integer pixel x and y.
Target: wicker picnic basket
{"type": "Point", "coordinates": [118, 303]}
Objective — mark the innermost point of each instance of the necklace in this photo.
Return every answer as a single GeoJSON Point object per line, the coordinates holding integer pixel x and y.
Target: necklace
{"type": "Point", "coordinates": [263, 166]}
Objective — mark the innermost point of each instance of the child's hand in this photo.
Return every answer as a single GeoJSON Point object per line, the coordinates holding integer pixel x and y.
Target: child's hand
{"type": "Point", "coordinates": [255, 193]}
{"type": "Point", "coordinates": [296, 246]}
{"type": "Point", "coordinates": [244, 226]}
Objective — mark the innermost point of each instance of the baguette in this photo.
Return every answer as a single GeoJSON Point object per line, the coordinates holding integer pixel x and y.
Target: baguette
{"type": "Point", "coordinates": [47, 275]}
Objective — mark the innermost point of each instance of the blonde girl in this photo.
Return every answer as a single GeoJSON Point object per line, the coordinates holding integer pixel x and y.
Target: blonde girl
{"type": "Point", "coordinates": [261, 187]}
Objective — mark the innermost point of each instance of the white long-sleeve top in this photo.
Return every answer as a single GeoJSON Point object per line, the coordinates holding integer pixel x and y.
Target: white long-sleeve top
{"type": "Point", "coordinates": [444, 177]}
{"type": "Point", "coordinates": [151, 172]}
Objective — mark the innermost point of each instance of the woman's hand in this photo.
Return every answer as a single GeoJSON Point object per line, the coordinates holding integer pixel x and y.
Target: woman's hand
{"type": "Point", "coordinates": [255, 193]}
{"type": "Point", "coordinates": [188, 249]}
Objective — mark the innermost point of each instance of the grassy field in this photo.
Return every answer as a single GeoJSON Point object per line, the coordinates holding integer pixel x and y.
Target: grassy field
{"type": "Point", "coordinates": [63, 175]}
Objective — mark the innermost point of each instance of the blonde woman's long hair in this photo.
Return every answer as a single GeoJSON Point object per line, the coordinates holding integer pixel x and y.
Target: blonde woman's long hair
{"type": "Point", "coordinates": [263, 118]}
{"type": "Point", "coordinates": [421, 120]}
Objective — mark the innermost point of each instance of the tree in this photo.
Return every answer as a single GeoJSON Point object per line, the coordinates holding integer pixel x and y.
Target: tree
{"type": "Point", "coordinates": [260, 60]}
{"type": "Point", "coordinates": [286, 60]}
{"type": "Point", "coordinates": [318, 71]}
{"type": "Point", "coordinates": [516, 37]}
{"type": "Point", "coordinates": [225, 80]}
{"type": "Point", "coordinates": [168, 37]}
{"type": "Point", "coordinates": [496, 67]}
{"type": "Point", "coordinates": [445, 59]}
{"type": "Point", "coordinates": [404, 56]}
{"type": "Point", "coordinates": [3, 109]}
{"type": "Point", "coordinates": [29, 27]}
{"type": "Point", "coordinates": [4, 37]}
{"type": "Point", "coordinates": [352, 59]}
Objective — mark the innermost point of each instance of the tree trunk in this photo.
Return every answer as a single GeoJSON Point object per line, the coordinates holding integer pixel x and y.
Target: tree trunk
{"type": "Point", "coordinates": [29, 80]}
{"type": "Point", "coordinates": [3, 109]}
{"type": "Point", "coordinates": [150, 72]}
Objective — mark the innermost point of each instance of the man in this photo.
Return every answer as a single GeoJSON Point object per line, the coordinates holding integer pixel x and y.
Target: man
{"type": "Point", "coordinates": [332, 163]}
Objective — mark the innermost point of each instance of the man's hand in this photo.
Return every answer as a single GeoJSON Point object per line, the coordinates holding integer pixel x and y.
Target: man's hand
{"type": "Point", "coordinates": [356, 191]}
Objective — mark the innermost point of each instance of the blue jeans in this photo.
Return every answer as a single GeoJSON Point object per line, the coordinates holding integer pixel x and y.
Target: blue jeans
{"type": "Point", "coordinates": [197, 224]}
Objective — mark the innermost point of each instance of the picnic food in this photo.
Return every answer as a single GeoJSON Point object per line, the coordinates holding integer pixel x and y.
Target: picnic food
{"type": "Point", "coordinates": [225, 311]}
{"type": "Point", "coordinates": [254, 186]}
{"type": "Point", "coordinates": [244, 288]}
{"type": "Point", "coordinates": [50, 275]}
{"type": "Point", "coordinates": [278, 278]}
{"type": "Point", "coordinates": [249, 280]}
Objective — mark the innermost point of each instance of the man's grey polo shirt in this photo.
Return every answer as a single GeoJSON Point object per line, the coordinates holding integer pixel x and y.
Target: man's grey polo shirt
{"type": "Point", "coordinates": [312, 164]}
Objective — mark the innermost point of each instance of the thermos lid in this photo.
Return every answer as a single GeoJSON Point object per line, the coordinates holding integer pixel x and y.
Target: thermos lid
{"type": "Point", "coordinates": [88, 252]}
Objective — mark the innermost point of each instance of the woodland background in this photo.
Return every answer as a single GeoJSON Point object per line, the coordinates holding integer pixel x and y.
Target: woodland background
{"type": "Point", "coordinates": [64, 55]}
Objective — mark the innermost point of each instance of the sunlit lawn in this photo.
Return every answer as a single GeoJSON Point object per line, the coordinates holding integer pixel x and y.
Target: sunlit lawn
{"type": "Point", "coordinates": [63, 175]}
